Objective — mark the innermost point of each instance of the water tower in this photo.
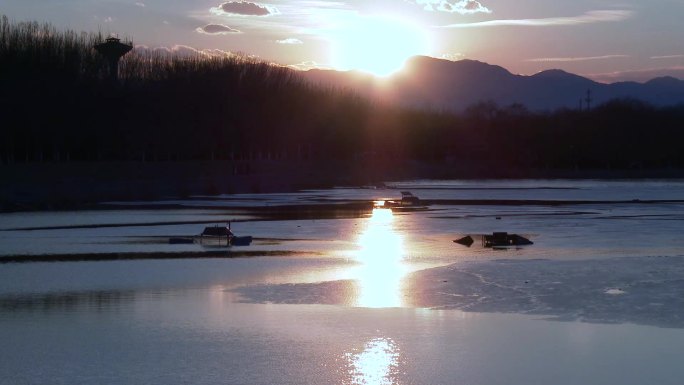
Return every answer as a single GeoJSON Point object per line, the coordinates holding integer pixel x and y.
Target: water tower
{"type": "Point", "coordinates": [113, 49]}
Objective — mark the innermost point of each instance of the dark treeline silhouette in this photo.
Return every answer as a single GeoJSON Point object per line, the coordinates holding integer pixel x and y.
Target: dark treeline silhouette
{"type": "Point", "coordinates": [59, 105]}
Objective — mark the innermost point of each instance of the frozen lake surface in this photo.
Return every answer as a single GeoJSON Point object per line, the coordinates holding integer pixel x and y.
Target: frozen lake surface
{"type": "Point", "coordinates": [338, 292]}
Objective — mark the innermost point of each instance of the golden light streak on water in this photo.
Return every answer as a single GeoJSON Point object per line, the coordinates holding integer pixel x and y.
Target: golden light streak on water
{"type": "Point", "coordinates": [381, 262]}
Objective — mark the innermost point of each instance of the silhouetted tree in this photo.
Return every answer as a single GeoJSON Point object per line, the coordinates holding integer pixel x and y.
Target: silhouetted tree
{"type": "Point", "coordinates": [57, 106]}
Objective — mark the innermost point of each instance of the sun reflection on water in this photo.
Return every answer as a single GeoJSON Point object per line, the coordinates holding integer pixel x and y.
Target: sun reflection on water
{"type": "Point", "coordinates": [376, 364]}
{"type": "Point", "coordinates": [381, 257]}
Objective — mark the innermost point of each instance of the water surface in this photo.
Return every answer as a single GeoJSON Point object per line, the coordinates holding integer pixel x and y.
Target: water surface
{"type": "Point", "coordinates": [340, 293]}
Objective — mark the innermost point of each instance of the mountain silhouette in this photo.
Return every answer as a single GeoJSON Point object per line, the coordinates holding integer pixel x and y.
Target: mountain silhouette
{"type": "Point", "coordinates": [428, 82]}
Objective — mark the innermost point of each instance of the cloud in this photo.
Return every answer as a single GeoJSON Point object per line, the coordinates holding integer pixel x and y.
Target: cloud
{"type": "Point", "coordinates": [667, 57]}
{"type": "Point", "coordinates": [182, 51]}
{"type": "Point", "coordinates": [586, 18]}
{"type": "Point", "coordinates": [139, 4]}
{"type": "Point", "coordinates": [642, 75]}
{"type": "Point", "coordinates": [571, 59]}
{"type": "Point", "coordinates": [176, 50]}
{"type": "Point", "coordinates": [309, 65]}
{"type": "Point", "coordinates": [452, 56]}
{"type": "Point", "coordinates": [459, 6]}
{"type": "Point", "coordinates": [243, 8]}
{"type": "Point", "coordinates": [290, 40]}
{"type": "Point", "coordinates": [216, 29]}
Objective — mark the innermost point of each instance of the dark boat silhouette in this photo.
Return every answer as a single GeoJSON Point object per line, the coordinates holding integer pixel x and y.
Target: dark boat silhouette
{"type": "Point", "coordinates": [220, 232]}
{"type": "Point", "coordinates": [496, 239]}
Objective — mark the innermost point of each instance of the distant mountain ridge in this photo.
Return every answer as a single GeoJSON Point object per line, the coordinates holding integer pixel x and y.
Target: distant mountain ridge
{"type": "Point", "coordinates": [456, 85]}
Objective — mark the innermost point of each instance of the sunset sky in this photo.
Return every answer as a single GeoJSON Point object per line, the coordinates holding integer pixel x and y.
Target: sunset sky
{"type": "Point", "coordinates": [602, 39]}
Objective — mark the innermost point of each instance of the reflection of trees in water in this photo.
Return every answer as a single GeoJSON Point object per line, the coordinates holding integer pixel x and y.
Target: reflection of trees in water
{"type": "Point", "coordinates": [94, 300]}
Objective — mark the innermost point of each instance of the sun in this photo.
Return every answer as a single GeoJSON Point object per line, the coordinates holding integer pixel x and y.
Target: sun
{"type": "Point", "coordinates": [378, 45]}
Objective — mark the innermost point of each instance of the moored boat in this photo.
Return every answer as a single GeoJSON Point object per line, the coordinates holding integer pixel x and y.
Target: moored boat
{"type": "Point", "coordinates": [407, 200]}
{"type": "Point", "coordinates": [219, 232]}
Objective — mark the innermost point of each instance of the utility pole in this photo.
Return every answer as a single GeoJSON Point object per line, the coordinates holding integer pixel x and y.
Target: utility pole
{"type": "Point", "coordinates": [588, 100]}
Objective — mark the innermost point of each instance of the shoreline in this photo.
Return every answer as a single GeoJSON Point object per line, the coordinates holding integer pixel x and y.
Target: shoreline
{"type": "Point", "coordinates": [60, 186]}
{"type": "Point", "coordinates": [354, 209]}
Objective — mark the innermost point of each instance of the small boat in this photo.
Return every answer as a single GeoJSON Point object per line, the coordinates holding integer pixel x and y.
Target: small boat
{"type": "Point", "coordinates": [407, 200]}
{"type": "Point", "coordinates": [219, 232]}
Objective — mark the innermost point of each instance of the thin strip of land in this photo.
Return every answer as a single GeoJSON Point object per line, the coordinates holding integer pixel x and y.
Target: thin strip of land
{"type": "Point", "coordinates": [97, 257]}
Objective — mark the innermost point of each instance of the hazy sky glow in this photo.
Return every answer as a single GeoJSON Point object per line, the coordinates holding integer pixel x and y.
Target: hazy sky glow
{"type": "Point", "coordinates": [603, 39]}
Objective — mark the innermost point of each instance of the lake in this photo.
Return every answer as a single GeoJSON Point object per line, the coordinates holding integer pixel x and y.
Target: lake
{"type": "Point", "coordinates": [338, 290]}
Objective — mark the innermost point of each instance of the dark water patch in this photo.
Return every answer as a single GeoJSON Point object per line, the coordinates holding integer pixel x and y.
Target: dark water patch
{"type": "Point", "coordinates": [229, 199]}
{"type": "Point", "coordinates": [342, 205]}
{"type": "Point", "coordinates": [536, 188]}
{"type": "Point", "coordinates": [576, 216]}
{"type": "Point", "coordinates": [271, 213]}
{"type": "Point", "coordinates": [148, 206]}
{"type": "Point", "coordinates": [327, 210]}
{"type": "Point", "coordinates": [164, 239]}
{"type": "Point", "coordinates": [517, 215]}
{"type": "Point", "coordinates": [275, 212]}
{"type": "Point", "coordinates": [315, 211]}
{"type": "Point", "coordinates": [134, 224]}
{"type": "Point", "coordinates": [69, 301]}
{"type": "Point", "coordinates": [340, 292]}
{"type": "Point", "coordinates": [659, 217]}
{"type": "Point", "coordinates": [540, 202]}
{"type": "Point", "coordinates": [209, 254]}
{"type": "Point", "coordinates": [285, 239]}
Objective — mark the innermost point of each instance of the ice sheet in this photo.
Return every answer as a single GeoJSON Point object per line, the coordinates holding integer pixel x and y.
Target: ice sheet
{"type": "Point", "coordinates": [640, 290]}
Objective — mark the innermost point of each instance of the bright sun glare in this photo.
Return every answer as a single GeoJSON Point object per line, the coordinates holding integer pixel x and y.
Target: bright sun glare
{"type": "Point", "coordinates": [382, 266]}
{"type": "Point", "coordinates": [378, 45]}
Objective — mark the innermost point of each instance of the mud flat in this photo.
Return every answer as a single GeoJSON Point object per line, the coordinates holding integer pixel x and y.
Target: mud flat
{"type": "Point", "coordinates": [223, 254]}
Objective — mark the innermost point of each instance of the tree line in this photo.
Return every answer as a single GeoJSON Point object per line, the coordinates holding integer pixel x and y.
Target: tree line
{"type": "Point", "coordinates": [58, 105]}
